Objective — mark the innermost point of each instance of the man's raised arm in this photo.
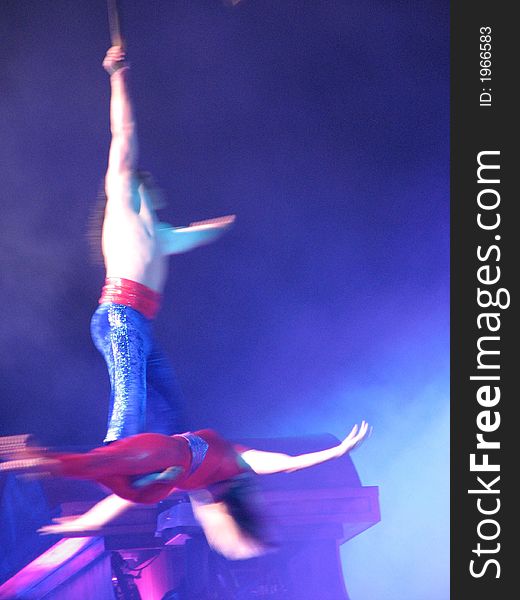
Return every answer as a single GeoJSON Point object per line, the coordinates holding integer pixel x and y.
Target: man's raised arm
{"type": "Point", "coordinates": [123, 147]}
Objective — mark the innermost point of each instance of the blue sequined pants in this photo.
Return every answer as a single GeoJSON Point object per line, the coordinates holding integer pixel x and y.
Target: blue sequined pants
{"type": "Point", "coordinates": [144, 393]}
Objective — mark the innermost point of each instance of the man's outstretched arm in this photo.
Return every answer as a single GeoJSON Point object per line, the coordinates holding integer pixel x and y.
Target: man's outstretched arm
{"type": "Point", "coordinates": [176, 240]}
{"type": "Point", "coordinates": [122, 157]}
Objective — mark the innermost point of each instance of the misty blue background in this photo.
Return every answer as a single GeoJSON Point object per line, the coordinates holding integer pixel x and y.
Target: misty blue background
{"type": "Point", "coordinates": [324, 127]}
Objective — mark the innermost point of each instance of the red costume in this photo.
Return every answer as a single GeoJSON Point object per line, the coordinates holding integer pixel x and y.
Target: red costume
{"type": "Point", "coordinates": [119, 465]}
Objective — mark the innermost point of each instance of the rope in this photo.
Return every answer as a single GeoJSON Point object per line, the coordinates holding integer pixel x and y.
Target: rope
{"type": "Point", "coordinates": [114, 24]}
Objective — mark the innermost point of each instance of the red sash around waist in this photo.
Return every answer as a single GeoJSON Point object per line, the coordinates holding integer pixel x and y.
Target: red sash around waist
{"type": "Point", "coordinates": [130, 293]}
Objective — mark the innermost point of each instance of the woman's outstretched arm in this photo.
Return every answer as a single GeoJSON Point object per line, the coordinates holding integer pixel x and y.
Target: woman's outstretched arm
{"type": "Point", "coordinates": [265, 463]}
{"type": "Point", "coordinates": [100, 514]}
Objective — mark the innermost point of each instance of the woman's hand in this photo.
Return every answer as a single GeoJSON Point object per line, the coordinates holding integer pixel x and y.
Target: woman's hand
{"type": "Point", "coordinates": [354, 438]}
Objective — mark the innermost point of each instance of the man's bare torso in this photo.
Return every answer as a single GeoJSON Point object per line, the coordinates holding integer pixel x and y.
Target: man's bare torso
{"type": "Point", "coordinates": [131, 241]}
